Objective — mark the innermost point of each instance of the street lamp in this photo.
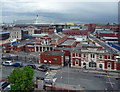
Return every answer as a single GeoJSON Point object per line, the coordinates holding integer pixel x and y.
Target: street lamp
{"type": "Point", "coordinates": [68, 74]}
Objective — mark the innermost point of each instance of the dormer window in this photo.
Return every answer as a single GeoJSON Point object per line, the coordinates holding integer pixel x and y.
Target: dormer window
{"type": "Point", "coordinates": [45, 42]}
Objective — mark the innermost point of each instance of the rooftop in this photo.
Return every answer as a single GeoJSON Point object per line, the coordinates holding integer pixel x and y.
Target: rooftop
{"type": "Point", "coordinates": [56, 53]}
{"type": "Point", "coordinates": [68, 42]}
{"type": "Point", "coordinates": [110, 37]}
{"type": "Point", "coordinates": [4, 32]}
{"type": "Point", "coordinates": [22, 43]}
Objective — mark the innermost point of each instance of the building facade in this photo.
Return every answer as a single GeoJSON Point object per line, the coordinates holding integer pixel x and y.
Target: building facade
{"type": "Point", "coordinates": [52, 57]}
{"type": "Point", "coordinates": [49, 42]}
{"type": "Point", "coordinates": [94, 58]}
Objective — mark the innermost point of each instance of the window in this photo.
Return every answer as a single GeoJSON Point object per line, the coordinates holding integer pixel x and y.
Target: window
{"type": "Point", "coordinates": [76, 54]}
{"type": "Point", "coordinates": [92, 56]}
{"type": "Point", "coordinates": [36, 48]}
{"type": "Point", "coordinates": [77, 61]}
{"type": "Point", "coordinates": [84, 55]}
{"type": "Point", "coordinates": [108, 64]}
{"type": "Point", "coordinates": [108, 57]}
{"type": "Point", "coordinates": [84, 63]}
{"type": "Point", "coordinates": [92, 64]}
{"type": "Point", "coordinates": [45, 61]}
{"type": "Point", "coordinates": [100, 65]}
{"type": "Point", "coordinates": [100, 56]}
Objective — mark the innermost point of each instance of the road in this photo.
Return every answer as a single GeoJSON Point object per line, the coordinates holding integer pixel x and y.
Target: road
{"type": "Point", "coordinates": [103, 44]}
{"type": "Point", "coordinates": [88, 81]}
{"type": "Point", "coordinates": [77, 78]}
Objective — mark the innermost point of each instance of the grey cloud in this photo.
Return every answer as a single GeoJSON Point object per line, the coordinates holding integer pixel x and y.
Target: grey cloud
{"type": "Point", "coordinates": [64, 11]}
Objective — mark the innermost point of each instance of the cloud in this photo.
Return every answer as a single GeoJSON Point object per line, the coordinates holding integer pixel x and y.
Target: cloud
{"type": "Point", "coordinates": [59, 1]}
{"type": "Point", "coordinates": [60, 11]}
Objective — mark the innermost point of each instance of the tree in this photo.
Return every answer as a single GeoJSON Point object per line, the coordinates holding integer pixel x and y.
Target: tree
{"type": "Point", "coordinates": [22, 79]}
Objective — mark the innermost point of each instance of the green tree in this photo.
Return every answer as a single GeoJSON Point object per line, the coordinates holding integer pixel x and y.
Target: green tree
{"type": "Point", "coordinates": [22, 79]}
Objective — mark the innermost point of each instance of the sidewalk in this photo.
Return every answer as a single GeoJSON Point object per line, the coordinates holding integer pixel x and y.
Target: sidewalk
{"type": "Point", "coordinates": [102, 72]}
{"type": "Point", "coordinates": [68, 86]}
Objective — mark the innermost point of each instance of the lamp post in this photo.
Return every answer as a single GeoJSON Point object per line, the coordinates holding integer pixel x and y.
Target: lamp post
{"type": "Point", "coordinates": [68, 72]}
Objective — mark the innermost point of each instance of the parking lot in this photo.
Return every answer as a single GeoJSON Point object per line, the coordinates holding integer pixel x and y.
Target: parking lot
{"type": "Point", "coordinates": [74, 79]}
{"type": "Point", "coordinates": [65, 78]}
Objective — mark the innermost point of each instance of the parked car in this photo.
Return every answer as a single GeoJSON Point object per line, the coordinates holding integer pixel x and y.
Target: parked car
{"type": "Point", "coordinates": [4, 84]}
{"type": "Point", "coordinates": [8, 87]}
{"type": "Point", "coordinates": [42, 68]}
{"type": "Point", "coordinates": [7, 63]}
{"type": "Point", "coordinates": [18, 64]}
{"type": "Point", "coordinates": [32, 65]}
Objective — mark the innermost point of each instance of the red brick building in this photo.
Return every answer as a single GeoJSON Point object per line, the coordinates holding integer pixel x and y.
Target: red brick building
{"type": "Point", "coordinates": [44, 29]}
{"type": "Point", "coordinates": [29, 48]}
{"type": "Point", "coordinates": [74, 32]}
{"type": "Point", "coordinates": [49, 42]}
{"type": "Point", "coordinates": [94, 58]}
{"type": "Point", "coordinates": [67, 53]}
{"type": "Point", "coordinates": [52, 57]}
{"type": "Point", "coordinates": [22, 45]}
{"type": "Point", "coordinates": [82, 30]}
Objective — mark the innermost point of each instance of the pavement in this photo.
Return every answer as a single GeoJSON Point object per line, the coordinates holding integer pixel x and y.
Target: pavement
{"type": "Point", "coordinates": [68, 86]}
{"type": "Point", "coordinates": [78, 79]}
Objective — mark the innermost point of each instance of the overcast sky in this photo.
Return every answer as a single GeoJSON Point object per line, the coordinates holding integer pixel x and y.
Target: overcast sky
{"type": "Point", "coordinates": [78, 11]}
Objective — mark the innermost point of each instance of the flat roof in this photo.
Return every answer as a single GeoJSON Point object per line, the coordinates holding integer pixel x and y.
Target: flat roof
{"type": "Point", "coordinates": [110, 37]}
{"type": "Point", "coordinates": [68, 42]}
{"type": "Point", "coordinates": [22, 43]}
{"type": "Point", "coordinates": [4, 32]}
{"type": "Point", "coordinates": [39, 35]}
{"type": "Point", "coordinates": [56, 53]}
{"type": "Point", "coordinates": [30, 45]}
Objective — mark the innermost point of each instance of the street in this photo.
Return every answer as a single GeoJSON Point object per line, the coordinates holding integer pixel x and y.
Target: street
{"type": "Point", "coordinates": [88, 81]}
{"type": "Point", "coordinates": [77, 79]}
{"type": "Point", "coordinates": [103, 44]}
